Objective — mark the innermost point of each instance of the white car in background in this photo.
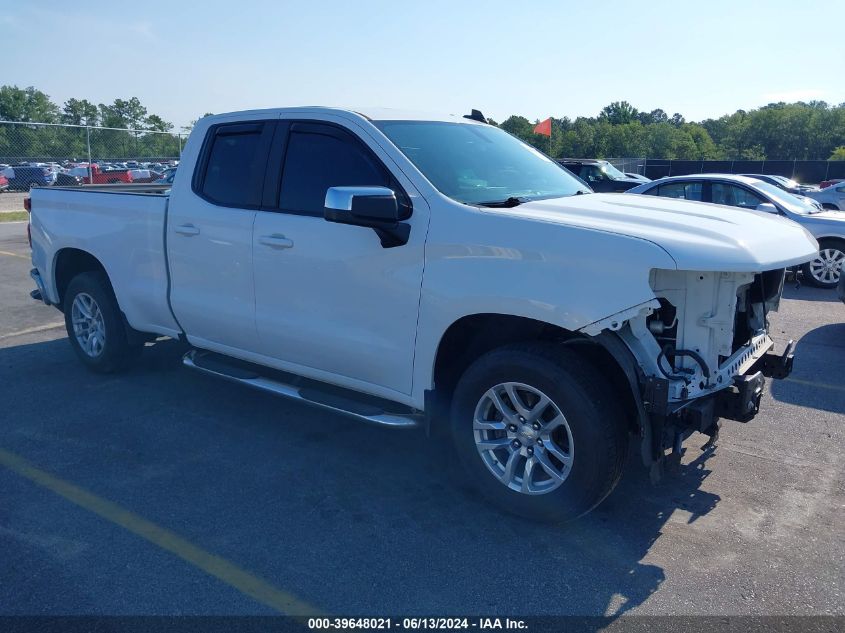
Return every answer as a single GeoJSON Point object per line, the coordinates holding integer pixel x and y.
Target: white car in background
{"type": "Point", "coordinates": [832, 197]}
{"type": "Point", "coordinates": [828, 227]}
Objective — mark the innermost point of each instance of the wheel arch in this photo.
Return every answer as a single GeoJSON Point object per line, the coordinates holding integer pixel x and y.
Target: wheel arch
{"type": "Point", "coordinates": [471, 336]}
{"type": "Point", "coordinates": [68, 263]}
{"type": "Point", "coordinates": [837, 238]}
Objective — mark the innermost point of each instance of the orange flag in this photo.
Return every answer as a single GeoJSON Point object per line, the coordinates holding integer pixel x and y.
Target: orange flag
{"type": "Point", "coordinates": [544, 127]}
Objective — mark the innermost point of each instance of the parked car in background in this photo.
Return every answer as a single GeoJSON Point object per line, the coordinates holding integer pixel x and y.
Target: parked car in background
{"type": "Point", "coordinates": [833, 181]}
{"type": "Point", "coordinates": [105, 177]}
{"type": "Point", "coordinates": [23, 178]}
{"type": "Point", "coordinates": [832, 197]}
{"type": "Point", "coordinates": [144, 175]}
{"type": "Point", "coordinates": [600, 175]}
{"type": "Point", "coordinates": [166, 177]}
{"type": "Point", "coordinates": [4, 183]}
{"type": "Point", "coordinates": [64, 179]}
{"type": "Point", "coordinates": [751, 194]}
{"type": "Point", "coordinates": [782, 182]}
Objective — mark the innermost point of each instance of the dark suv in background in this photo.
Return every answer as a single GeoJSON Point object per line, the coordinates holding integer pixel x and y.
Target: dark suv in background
{"type": "Point", "coordinates": [600, 175]}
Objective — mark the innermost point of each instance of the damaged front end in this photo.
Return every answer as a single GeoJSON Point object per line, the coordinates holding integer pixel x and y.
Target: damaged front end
{"type": "Point", "coordinates": [703, 350]}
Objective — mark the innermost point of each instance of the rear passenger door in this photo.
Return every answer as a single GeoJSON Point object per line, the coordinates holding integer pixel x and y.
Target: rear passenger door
{"type": "Point", "coordinates": [209, 237]}
{"type": "Point", "coordinates": [331, 302]}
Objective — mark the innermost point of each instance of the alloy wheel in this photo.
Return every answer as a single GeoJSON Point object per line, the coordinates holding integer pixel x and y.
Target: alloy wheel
{"type": "Point", "coordinates": [89, 327]}
{"type": "Point", "coordinates": [523, 438]}
{"type": "Point", "coordinates": [827, 265]}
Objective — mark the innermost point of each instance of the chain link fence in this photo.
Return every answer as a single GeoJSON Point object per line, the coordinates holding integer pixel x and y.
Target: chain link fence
{"type": "Point", "coordinates": [73, 145]}
{"type": "Point", "coordinates": [803, 171]}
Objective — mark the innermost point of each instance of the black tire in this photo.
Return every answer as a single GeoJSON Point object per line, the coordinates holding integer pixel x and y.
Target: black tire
{"type": "Point", "coordinates": [596, 421]}
{"type": "Point", "coordinates": [829, 280]}
{"type": "Point", "coordinates": [116, 353]}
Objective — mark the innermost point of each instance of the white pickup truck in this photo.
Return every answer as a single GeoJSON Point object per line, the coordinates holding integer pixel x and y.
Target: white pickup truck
{"type": "Point", "coordinates": [411, 270]}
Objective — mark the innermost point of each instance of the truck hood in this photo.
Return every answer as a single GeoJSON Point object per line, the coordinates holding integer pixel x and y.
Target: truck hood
{"type": "Point", "coordinates": [697, 235]}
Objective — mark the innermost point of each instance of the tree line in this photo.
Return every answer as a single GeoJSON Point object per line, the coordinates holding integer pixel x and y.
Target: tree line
{"type": "Point", "coordinates": [788, 131]}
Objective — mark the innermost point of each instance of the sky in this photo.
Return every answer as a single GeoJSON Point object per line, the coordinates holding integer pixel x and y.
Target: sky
{"type": "Point", "coordinates": [533, 58]}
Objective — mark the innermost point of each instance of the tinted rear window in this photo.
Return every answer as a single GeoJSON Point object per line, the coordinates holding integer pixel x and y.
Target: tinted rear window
{"type": "Point", "coordinates": [235, 168]}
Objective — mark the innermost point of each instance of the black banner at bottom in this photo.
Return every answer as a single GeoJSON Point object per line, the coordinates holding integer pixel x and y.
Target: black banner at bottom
{"type": "Point", "coordinates": [545, 624]}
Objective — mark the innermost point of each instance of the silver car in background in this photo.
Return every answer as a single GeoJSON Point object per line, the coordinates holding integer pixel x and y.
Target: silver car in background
{"type": "Point", "coordinates": [832, 197]}
{"type": "Point", "coordinates": [751, 194]}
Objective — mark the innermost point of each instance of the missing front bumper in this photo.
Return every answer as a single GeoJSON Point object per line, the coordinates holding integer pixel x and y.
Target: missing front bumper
{"type": "Point", "coordinates": [774, 366]}
{"type": "Point", "coordinates": [740, 401]}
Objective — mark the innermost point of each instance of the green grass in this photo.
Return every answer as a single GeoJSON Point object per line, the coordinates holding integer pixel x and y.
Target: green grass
{"type": "Point", "coordinates": [13, 216]}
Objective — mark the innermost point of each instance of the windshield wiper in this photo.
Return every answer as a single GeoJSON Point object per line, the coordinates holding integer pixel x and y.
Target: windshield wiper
{"type": "Point", "coordinates": [509, 203]}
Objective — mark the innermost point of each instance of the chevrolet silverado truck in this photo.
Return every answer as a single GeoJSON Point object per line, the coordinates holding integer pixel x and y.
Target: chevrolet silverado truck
{"type": "Point", "coordinates": [418, 271]}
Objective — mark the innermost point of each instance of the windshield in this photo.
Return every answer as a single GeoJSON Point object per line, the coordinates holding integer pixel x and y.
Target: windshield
{"type": "Point", "coordinates": [612, 172]}
{"type": "Point", "coordinates": [785, 199]}
{"type": "Point", "coordinates": [477, 164]}
{"type": "Point", "coordinates": [786, 182]}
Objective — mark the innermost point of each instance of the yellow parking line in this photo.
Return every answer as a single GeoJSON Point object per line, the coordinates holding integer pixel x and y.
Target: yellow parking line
{"type": "Point", "coordinates": [216, 566]}
{"type": "Point", "coordinates": [812, 383]}
{"type": "Point", "coordinates": [8, 254]}
{"type": "Point", "coordinates": [33, 330]}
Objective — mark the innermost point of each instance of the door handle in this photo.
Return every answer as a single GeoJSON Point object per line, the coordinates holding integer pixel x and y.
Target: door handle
{"type": "Point", "coordinates": [187, 229]}
{"type": "Point", "coordinates": [275, 241]}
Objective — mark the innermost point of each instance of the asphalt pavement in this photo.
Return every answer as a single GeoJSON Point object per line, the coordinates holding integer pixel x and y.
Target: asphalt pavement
{"type": "Point", "coordinates": [162, 491]}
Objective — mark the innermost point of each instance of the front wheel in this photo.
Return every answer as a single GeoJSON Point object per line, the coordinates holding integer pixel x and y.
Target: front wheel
{"type": "Point", "coordinates": [539, 431]}
{"type": "Point", "coordinates": [824, 269]}
{"type": "Point", "coordinates": [94, 324]}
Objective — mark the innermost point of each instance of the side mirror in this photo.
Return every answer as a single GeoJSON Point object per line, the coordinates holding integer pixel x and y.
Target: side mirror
{"type": "Point", "coordinates": [373, 207]}
{"type": "Point", "coordinates": [767, 207]}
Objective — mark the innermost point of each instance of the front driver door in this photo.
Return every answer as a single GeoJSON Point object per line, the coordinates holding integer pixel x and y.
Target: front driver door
{"type": "Point", "coordinates": [331, 302]}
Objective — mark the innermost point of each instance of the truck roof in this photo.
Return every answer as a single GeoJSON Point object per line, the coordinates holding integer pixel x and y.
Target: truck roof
{"type": "Point", "coordinates": [371, 113]}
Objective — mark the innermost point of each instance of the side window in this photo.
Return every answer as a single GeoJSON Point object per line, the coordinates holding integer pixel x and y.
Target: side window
{"type": "Point", "coordinates": [734, 196]}
{"type": "Point", "coordinates": [234, 168]}
{"type": "Point", "coordinates": [315, 161]}
{"type": "Point", "coordinates": [683, 190]}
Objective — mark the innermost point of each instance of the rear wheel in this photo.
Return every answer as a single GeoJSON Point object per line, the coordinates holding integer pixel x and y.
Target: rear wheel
{"type": "Point", "coordinates": [538, 431]}
{"type": "Point", "coordinates": [94, 324]}
{"type": "Point", "coordinates": [825, 268]}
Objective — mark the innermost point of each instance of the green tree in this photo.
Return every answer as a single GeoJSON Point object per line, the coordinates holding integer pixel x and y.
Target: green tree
{"type": "Point", "coordinates": [27, 105]}
{"type": "Point", "coordinates": [157, 124]}
{"type": "Point", "coordinates": [619, 113]}
{"type": "Point", "coordinates": [838, 153]}
{"type": "Point", "coordinates": [79, 112]}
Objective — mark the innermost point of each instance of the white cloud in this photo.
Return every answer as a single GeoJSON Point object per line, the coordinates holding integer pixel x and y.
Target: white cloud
{"type": "Point", "coordinates": [144, 29]}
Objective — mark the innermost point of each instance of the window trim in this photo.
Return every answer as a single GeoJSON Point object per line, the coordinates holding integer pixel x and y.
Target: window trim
{"type": "Point", "coordinates": [278, 155]}
{"type": "Point", "coordinates": [198, 181]}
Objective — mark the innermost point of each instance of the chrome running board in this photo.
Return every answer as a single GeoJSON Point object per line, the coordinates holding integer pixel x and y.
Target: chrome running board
{"type": "Point", "coordinates": [326, 397]}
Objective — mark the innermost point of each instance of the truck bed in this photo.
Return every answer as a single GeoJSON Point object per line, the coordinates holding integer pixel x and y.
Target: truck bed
{"type": "Point", "coordinates": [123, 226]}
